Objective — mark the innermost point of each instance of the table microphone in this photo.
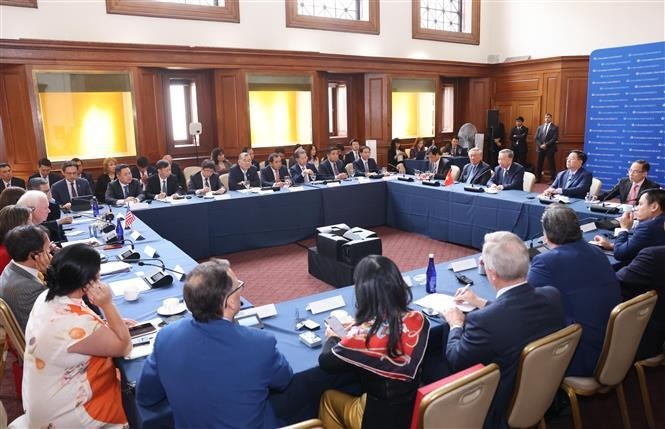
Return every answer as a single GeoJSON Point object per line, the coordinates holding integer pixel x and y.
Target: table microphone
{"type": "Point", "coordinates": [142, 263]}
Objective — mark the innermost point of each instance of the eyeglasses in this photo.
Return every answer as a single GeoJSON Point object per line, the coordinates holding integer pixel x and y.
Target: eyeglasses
{"type": "Point", "coordinates": [240, 287]}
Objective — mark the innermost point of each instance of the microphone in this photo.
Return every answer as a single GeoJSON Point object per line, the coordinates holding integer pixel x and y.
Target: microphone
{"type": "Point", "coordinates": [142, 263]}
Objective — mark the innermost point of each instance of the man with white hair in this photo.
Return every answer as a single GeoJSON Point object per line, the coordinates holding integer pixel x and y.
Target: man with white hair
{"type": "Point", "coordinates": [38, 202]}
{"type": "Point", "coordinates": [499, 330]}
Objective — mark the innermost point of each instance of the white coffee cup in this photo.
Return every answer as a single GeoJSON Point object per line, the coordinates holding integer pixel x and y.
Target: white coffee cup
{"type": "Point", "coordinates": [170, 304]}
{"type": "Point", "coordinates": [131, 293]}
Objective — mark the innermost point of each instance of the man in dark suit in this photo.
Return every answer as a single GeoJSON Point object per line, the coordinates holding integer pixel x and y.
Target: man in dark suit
{"type": "Point", "coordinates": [163, 184]}
{"type": "Point", "coordinates": [546, 138]}
{"type": "Point", "coordinates": [476, 172]}
{"type": "Point", "coordinates": [54, 220]}
{"type": "Point", "coordinates": [495, 142]}
{"type": "Point", "coordinates": [589, 295]}
{"type": "Point", "coordinates": [508, 174]}
{"type": "Point", "coordinates": [275, 172]}
{"type": "Point", "coordinates": [436, 166]}
{"type": "Point", "coordinates": [124, 189]}
{"type": "Point", "coordinates": [518, 143]}
{"type": "Point", "coordinates": [454, 149]}
{"type": "Point", "coordinates": [365, 166]}
{"type": "Point", "coordinates": [7, 179]}
{"type": "Point", "coordinates": [573, 182]}
{"type": "Point", "coordinates": [630, 187]}
{"type": "Point", "coordinates": [205, 393]}
{"type": "Point", "coordinates": [176, 171]}
{"type": "Point", "coordinates": [644, 273]}
{"type": "Point", "coordinates": [82, 174]}
{"type": "Point", "coordinates": [206, 180]}
{"type": "Point", "coordinates": [333, 167]}
{"type": "Point", "coordinates": [279, 151]}
{"type": "Point", "coordinates": [649, 232]}
{"type": "Point", "coordinates": [301, 170]}
{"type": "Point", "coordinates": [142, 171]}
{"type": "Point", "coordinates": [71, 186]}
{"type": "Point", "coordinates": [44, 167]}
{"type": "Point", "coordinates": [354, 153]}
{"type": "Point", "coordinates": [243, 172]}
{"type": "Point", "coordinates": [254, 162]}
{"type": "Point", "coordinates": [498, 331]}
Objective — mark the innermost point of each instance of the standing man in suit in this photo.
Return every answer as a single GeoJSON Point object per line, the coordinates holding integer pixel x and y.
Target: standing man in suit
{"type": "Point", "coordinates": [508, 174]}
{"type": "Point", "coordinates": [573, 182]}
{"type": "Point", "coordinates": [7, 179]}
{"type": "Point", "coordinates": [250, 151]}
{"type": "Point", "coordinates": [176, 170]}
{"type": "Point", "coordinates": [274, 174]}
{"type": "Point", "coordinates": [546, 138]}
{"type": "Point", "coordinates": [44, 167]}
{"type": "Point", "coordinates": [142, 171]}
{"type": "Point", "coordinates": [454, 149]}
{"type": "Point", "coordinates": [82, 174]}
{"type": "Point", "coordinates": [70, 187]}
{"type": "Point", "coordinates": [498, 331]}
{"type": "Point", "coordinates": [125, 188]}
{"type": "Point", "coordinates": [628, 188]}
{"type": "Point", "coordinates": [243, 172]}
{"type": "Point", "coordinates": [365, 166]}
{"type": "Point", "coordinates": [163, 184]}
{"type": "Point", "coordinates": [518, 144]}
{"type": "Point", "coordinates": [496, 135]}
{"type": "Point", "coordinates": [302, 171]}
{"type": "Point", "coordinates": [476, 172]}
{"type": "Point", "coordinates": [206, 180]}
{"type": "Point", "coordinates": [589, 295]}
{"type": "Point", "coordinates": [333, 167]}
{"type": "Point", "coordinates": [354, 154]}
{"type": "Point", "coordinates": [649, 232]}
{"type": "Point", "coordinates": [230, 368]}
{"type": "Point", "coordinates": [22, 280]}
{"type": "Point", "coordinates": [437, 166]}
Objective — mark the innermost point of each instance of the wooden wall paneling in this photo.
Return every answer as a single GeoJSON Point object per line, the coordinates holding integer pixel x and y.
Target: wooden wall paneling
{"type": "Point", "coordinates": [378, 123]}
{"type": "Point", "coordinates": [357, 107]}
{"type": "Point", "coordinates": [573, 102]}
{"type": "Point", "coordinates": [477, 103]}
{"type": "Point", "coordinates": [506, 114]}
{"type": "Point", "coordinates": [530, 111]}
{"type": "Point", "coordinates": [149, 114]}
{"type": "Point", "coordinates": [320, 107]}
{"type": "Point", "coordinates": [231, 111]}
{"type": "Point", "coordinates": [518, 85]}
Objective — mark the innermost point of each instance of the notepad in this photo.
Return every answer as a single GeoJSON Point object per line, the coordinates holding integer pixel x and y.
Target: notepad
{"type": "Point", "coordinates": [327, 304]}
{"type": "Point", "coordinates": [465, 264]}
{"type": "Point", "coordinates": [440, 302]}
{"type": "Point", "coordinates": [114, 267]}
{"type": "Point", "coordinates": [118, 288]}
{"type": "Point", "coordinates": [90, 241]}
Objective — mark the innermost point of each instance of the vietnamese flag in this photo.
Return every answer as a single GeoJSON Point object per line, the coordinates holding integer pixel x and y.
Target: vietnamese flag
{"type": "Point", "coordinates": [449, 179]}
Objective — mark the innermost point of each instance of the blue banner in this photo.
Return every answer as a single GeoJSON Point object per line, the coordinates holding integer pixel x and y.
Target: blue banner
{"type": "Point", "coordinates": [625, 117]}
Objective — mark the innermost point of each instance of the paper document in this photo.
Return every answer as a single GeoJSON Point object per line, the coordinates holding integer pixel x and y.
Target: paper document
{"type": "Point", "coordinates": [118, 288]}
{"type": "Point", "coordinates": [73, 233]}
{"type": "Point", "coordinates": [114, 267]}
{"type": "Point", "coordinates": [440, 302]}
{"type": "Point", "coordinates": [90, 241]}
{"type": "Point", "coordinates": [465, 264]}
{"type": "Point", "coordinates": [327, 304]}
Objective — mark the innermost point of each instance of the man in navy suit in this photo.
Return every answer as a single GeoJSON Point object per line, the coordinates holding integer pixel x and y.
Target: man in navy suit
{"type": "Point", "coordinates": [454, 149]}
{"type": "Point", "coordinates": [644, 273]}
{"type": "Point", "coordinates": [254, 162]}
{"type": "Point", "coordinates": [163, 184]}
{"type": "Point", "coordinates": [7, 179]}
{"type": "Point", "coordinates": [82, 174]}
{"type": "Point", "coordinates": [365, 166]}
{"type": "Point", "coordinates": [214, 372]}
{"type": "Point", "coordinates": [649, 232]}
{"type": "Point", "coordinates": [274, 173]}
{"type": "Point", "coordinates": [71, 186]}
{"type": "Point", "coordinates": [518, 140]}
{"type": "Point", "coordinates": [243, 172]}
{"type": "Point", "coordinates": [354, 153]}
{"type": "Point", "coordinates": [589, 295]}
{"type": "Point", "coordinates": [436, 165]}
{"type": "Point", "coordinates": [333, 167]}
{"type": "Point", "coordinates": [206, 180]}
{"type": "Point", "coordinates": [498, 331]}
{"type": "Point", "coordinates": [546, 138]}
{"type": "Point", "coordinates": [125, 188]}
{"type": "Point", "coordinates": [508, 174]}
{"type": "Point", "coordinates": [143, 170]}
{"type": "Point", "coordinates": [476, 172]}
{"type": "Point", "coordinates": [301, 170]}
{"type": "Point", "coordinates": [629, 188]}
{"type": "Point", "coordinates": [44, 167]}
{"type": "Point", "coordinates": [573, 182]}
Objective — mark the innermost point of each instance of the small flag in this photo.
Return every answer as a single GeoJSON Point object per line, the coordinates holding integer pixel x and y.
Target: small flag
{"type": "Point", "coordinates": [449, 179]}
{"type": "Point", "coordinates": [129, 218]}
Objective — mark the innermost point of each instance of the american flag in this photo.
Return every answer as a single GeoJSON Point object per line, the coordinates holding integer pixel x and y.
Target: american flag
{"type": "Point", "coordinates": [129, 218]}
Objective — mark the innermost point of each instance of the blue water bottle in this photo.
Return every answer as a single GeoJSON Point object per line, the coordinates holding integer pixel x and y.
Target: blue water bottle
{"type": "Point", "coordinates": [95, 207]}
{"type": "Point", "coordinates": [430, 286]}
{"type": "Point", "coordinates": [119, 231]}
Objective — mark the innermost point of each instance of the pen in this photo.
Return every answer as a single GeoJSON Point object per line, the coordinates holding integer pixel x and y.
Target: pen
{"type": "Point", "coordinates": [461, 291]}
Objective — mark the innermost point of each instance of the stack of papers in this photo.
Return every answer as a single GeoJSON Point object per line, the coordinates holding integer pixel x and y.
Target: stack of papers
{"type": "Point", "coordinates": [118, 288]}
{"type": "Point", "coordinates": [114, 267]}
{"type": "Point", "coordinates": [440, 302]}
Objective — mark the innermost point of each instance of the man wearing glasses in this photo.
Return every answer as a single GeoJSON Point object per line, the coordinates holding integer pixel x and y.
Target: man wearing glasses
{"type": "Point", "coordinates": [214, 372]}
{"type": "Point", "coordinates": [629, 188]}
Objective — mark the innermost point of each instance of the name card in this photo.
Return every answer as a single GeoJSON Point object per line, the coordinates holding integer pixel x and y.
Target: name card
{"type": "Point", "coordinates": [150, 251]}
{"type": "Point", "coordinates": [180, 274]}
{"type": "Point", "coordinates": [136, 236]}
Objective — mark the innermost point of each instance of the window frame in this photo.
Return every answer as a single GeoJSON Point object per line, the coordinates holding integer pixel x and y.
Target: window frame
{"type": "Point", "coordinates": [230, 12]}
{"type": "Point", "coordinates": [20, 3]}
{"type": "Point", "coordinates": [472, 38]}
{"type": "Point", "coordinates": [371, 26]}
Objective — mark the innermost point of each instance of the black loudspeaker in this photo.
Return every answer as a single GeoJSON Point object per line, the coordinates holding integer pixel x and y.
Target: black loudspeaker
{"type": "Point", "coordinates": [492, 119]}
{"type": "Point", "coordinates": [330, 245]}
{"type": "Point", "coordinates": [354, 251]}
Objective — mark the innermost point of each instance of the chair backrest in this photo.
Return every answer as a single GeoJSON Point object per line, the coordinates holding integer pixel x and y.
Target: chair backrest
{"type": "Point", "coordinates": [529, 180]}
{"type": "Point", "coordinates": [596, 185]}
{"type": "Point", "coordinates": [349, 169]}
{"type": "Point", "coordinates": [455, 171]}
{"type": "Point", "coordinates": [224, 178]}
{"type": "Point", "coordinates": [14, 331]}
{"type": "Point", "coordinates": [462, 403]}
{"type": "Point", "coordinates": [189, 171]}
{"type": "Point", "coordinates": [307, 424]}
{"type": "Point", "coordinates": [542, 366]}
{"type": "Point", "coordinates": [624, 332]}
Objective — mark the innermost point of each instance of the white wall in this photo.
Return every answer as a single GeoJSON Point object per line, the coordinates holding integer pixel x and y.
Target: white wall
{"type": "Point", "coordinates": [508, 28]}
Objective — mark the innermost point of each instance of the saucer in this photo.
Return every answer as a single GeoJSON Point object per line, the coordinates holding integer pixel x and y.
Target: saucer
{"type": "Point", "coordinates": [180, 308]}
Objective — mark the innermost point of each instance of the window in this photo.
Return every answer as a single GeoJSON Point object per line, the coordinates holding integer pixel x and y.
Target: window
{"type": "Point", "coordinates": [183, 111]}
{"type": "Point", "coordinates": [19, 3]}
{"type": "Point", "coordinates": [88, 115]}
{"type": "Point", "coordinates": [280, 110]}
{"type": "Point", "coordinates": [207, 10]}
{"type": "Point", "coordinates": [359, 16]}
{"type": "Point", "coordinates": [413, 107]}
{"type": "Point", "coordinates": [337, 110]}
{"type": "Point", "coordinates": [448, 108]}
{"type": "Point", "coordinates": [456, 21]}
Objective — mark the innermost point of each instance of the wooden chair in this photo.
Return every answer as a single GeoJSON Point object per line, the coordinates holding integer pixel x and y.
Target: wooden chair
{"type": "Point", "coordinates": [542, 366]}
{"type": "Point", "coordinates": [624, 332]}
{"type": "Point", "coordinates": [455, 171]}
{"type": "Point", "coordinates": [349, 169]}
{"type": "Point", "coordinates": [644, 389]}
{"type": "Point", "coordinates": [189, 172]}
{"type": "Point", "coordinates": [224, 178]}
{"type": "Point", "coordinates": [596, 186]}
{"type": "Point", "coordinates": [529, 180]}
{"type": "Point", "coordinates": [307, 424]}
{"type": "Point", "coordinates": [16, 341]}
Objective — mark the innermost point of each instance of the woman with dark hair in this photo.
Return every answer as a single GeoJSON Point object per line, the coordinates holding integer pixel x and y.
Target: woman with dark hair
{"type": "Point", "coordinates": [222, 165]}
{"type": "Point", "coordinates": [10, 195]}
{"type": "Point", "coordinates": [396, 156]}
{"type": "Point", "coordinates": [10, 217]}
{"type": "Point", "coordinates": [69, 379]}
{"type": "Point", "coordinates": [385, 345]}
{"type": "Point", "coordinates": [108, 175]}
{"type": "Point", "coordinates": [312, 155]}
{"type": "Point", "coordinates": [418, 150]}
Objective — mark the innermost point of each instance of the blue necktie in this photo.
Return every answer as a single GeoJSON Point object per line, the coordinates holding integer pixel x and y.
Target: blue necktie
{"type": "Point", "coordinates": [571, 176]}
{"type": "Point", "coordinates": [472, 173]}
{"type": "Point", "coordinates": [126, 190]}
